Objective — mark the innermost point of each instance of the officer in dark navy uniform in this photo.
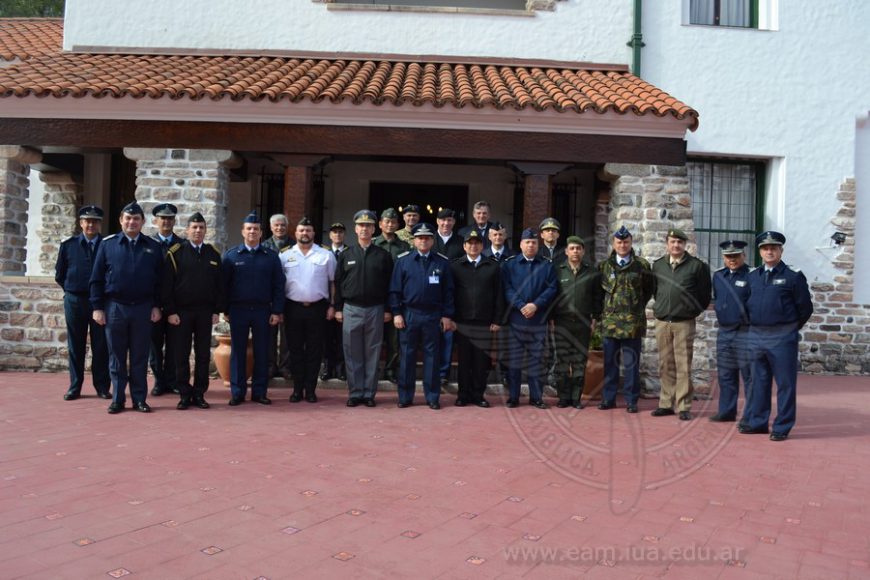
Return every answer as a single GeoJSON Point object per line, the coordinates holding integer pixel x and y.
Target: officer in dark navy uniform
{"type": "Point", "coordinates": [254, 290]}
{"type": "Point", "coordinates": [550, 247]}
{"type": "Point", "coordinates": [498, 248]}
{"type": "Point", "coordinates": [162, 359]}
{"type": "Point", "coordinates": [72, 272]}
{"type": "Point", "coordinates": [421, 299]}
{"type": "Point", "coordinates": [530, 287]}
{"type": "Point", "coordinates": [730, 293]}
{"type": "Point", "coordinates": [125, 296]}
{"type": "Point", "coordinates": [192, 297]}
{"type": "Point", "coordinates": [779, 305]}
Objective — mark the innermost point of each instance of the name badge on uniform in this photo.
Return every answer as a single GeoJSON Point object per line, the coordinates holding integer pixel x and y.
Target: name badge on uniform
{"type": "Point", "coordinates": [434, 279]}
{"type": "Point", "coordinates": [740, 283]}
{"type": "Point", "coordinates": [351, 262]}
{"type": "Point", "coordinates": [240, 263]}
{"type": "Point", "coordinates": [149, 251]}
{"type": "Point", "coordinates": [212, 262]}
{"type": "Point", "coordinates": [778, 281]}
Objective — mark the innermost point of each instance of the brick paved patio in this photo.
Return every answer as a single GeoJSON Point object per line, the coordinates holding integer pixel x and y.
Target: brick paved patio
{"type": "Point", "coordinates": [324, 491]}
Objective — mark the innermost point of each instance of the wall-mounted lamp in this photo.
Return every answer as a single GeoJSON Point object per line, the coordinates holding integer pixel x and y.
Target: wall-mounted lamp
{"type": "Point", "coordinates": [839, 238]}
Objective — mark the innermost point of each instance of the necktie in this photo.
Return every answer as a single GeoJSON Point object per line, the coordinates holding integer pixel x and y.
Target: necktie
{"type": "Point", "coordinates": [621, 262]}
{"type": "Point", "coordinates": [497, 256]}
{"type": "Point", "coordinates": [198, 250]}
{"type": "Point", "coordinates": [91, 249]}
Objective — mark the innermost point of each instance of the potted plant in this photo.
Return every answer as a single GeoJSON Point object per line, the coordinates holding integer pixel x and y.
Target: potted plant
{"type": "Point", "coordinates": [223, 350]}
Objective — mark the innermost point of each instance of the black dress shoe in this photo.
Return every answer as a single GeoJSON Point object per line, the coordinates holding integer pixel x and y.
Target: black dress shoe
{"type": "Point", "coordinates": [685, 416]}
{"type": "Point", "coordinates": [511, 404]}
{"type": "Point", "coordinates": [538, 404]}
{"type": "Point", "coordinates": [71, 395]}
{"type": "Point", "coordinates": [370, 403]}
{"type": "Point", "coordinates": [460, 403]}
{"type": "Point", "coordinates": [747, 430]}
{"type": "Point", "coordinates": [234, 401]}
{"type": "Point", "coordinates": [182, 404]}
{"type": "Point", "coordinates": [631, 409]}
{"type": "Point", "coordinates": [723, 418]}
{"type": "Point", "coordinates": [404, 405]}
{"type": "Point", "coordinates": [115, 408]}
{"type": "Point", "coordinates": [562, 404]}
{"type": "Point", "coordinates": [104, 394]}
{"type": "Point", "coordinates": [483, 403]}
{"type": "Point", "coordinates": [352, 402]}
{"type": "Point", "coordinates": [295, 397]}
{"type": "Point", "coordinates": [142, 407]}
{"type": "Point", "coordinates": [264, 400]}
{"type": "Point", "coordinates": [605, 405]}
{"type": "Point", "coordinates": [157, 391]}
{"type": "Point", "coordinates": [311, 398]}
{"type": "Point", "coordinates": [577, 405]}
{"type": "Point", "coordinates": [662, 412]}
{"type": "Point", "coordinates": [435, 405]}
{"type": "Point", "coordinates": [778, 436]}
{"type": "Point", "coordinates": [201, 403]}
{"type": "Point", "coordinates": [341, 376]}
{"type": "Point", "coordinates": [326, 375]}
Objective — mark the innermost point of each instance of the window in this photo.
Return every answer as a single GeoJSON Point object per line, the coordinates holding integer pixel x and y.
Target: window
{"type": "Point", "coordinates": [494, 4]}
{"type": "Point", "coordinates": [738, 13]}
{"type": "Point", "coordinates": [728, 201]}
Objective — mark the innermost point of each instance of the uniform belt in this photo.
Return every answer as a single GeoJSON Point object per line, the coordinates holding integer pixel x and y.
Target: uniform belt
{"type": "Point", "coordinates": [308, 304]}
{"type": "Point", "coordinates": [674, 319]}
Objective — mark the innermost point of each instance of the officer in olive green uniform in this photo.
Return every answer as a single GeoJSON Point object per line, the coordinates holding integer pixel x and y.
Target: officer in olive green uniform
{"type": "Point", "coordinates": [411, 215]}
{"type": "Point", "coordinates": [389, 241]}
{"type": "Point", "coordinates": [628, 285]}
{"type": "Point", "coordinates": [577, 303]}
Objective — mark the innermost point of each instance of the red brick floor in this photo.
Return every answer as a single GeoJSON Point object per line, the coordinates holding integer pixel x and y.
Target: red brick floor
{"type": "Point", "coordinates": [323, 491]}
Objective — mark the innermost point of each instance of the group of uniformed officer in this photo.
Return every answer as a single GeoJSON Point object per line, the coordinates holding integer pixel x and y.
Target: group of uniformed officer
{"type": "Point", "coordinates": [137, 294]}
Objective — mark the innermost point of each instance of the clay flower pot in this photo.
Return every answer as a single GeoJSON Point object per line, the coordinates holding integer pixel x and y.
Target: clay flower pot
{"type": "Point", "coordinates": [222, 358]}
{"type": "Point", "coordinates": [593, 382]}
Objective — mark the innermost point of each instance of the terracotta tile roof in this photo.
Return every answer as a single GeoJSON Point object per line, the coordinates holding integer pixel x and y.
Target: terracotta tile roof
{"type": "Point", "coordinates": [500, 86]}
{"type": "Point", "coordinates": [23, 38]}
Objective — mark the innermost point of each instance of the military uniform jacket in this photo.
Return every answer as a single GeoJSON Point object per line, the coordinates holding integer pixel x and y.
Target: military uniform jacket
{"type": "Point", "coordinates": [580, 295]}
{"type": "Point", "coordinates": [125, 274]}
{"type": "Point", "coordinates": [781, 298]}
{"type": "Point", "coordinates": [395, 246]}
{"type": "Point", "coordinates": [74, 265]}
{"type": "Point", "coordinates": [278, 245]}
{"type": "Point", "coordinates": [192, 280]}
{"type": "Point", "coordinates": [528, 281]}
{"type": "Point", "coordinates": [684, 292]}
{"type": "Point", "coordinates": [253, 278]}
{"type": "Point", "coordinates": [483, 231]}
{"type": "Point", "coordinates": [453, 248]}
{"type": "Point", "coordinates": [730, 293]}
{"type": "Point", "coordinates": [506, 253]}
{"type": "Point", "coordinates": [555, 255]}
{"type": "Point", "coordinates": [170, 241]}
{"type": "Point", "coordinates": [405, 235]}
{"type": "Point", "coordinates": [362, 277]}
{"type": "Point", "coordinates": [627, 289]}
{"type": "Point", "coordinates": [422, 284]}
{"type": "Point", "coordinates": [479, 296]}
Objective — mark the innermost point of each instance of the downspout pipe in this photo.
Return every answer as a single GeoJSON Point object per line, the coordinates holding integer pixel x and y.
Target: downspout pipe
{"type": "Point", "coordinates": [636, 42]}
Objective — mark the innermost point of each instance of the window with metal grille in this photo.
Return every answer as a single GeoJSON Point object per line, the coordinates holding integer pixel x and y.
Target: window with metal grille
{"type": "Point", "coordinates": [727, 202]}
{"type": "Point", "coordinates": [739, 13]}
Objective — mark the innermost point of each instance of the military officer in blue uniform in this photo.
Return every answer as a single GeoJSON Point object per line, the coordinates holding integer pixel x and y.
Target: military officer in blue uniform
{"type": "Point", "coordinates": [162, 357]}
{"type": "Point", "coordinates": [125, 294]}
{"type": "Point", "coordinates": [254, 292]}
{"type": "Point", "coordinates": [530, 286]}
{"type": "Point", "coordinates": [730, 293]}
{"type": "Point", "coordinates": [779, 305]}
{"type": "Point", "coordinates": [421, 300]}
{"type": "Point", "coordinates": [72, 272]}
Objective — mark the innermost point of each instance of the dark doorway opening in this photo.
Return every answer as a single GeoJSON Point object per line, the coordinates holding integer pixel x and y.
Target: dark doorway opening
{"type": "Point", "coordinates": [430, 197]}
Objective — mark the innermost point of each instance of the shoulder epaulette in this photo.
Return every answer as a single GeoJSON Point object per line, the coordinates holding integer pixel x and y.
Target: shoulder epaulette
{"type": "Point", "coordinates": [443, 256]}
{"type": "Point", "coordinates": [723, 268]}
{"type": "Point", "coordinates": [753, 269]}
{"type": "Point", "coordinates": [174, 248]}
{"type": "Point", "coordinates": [793, 268]}
{"type": "Point", "coordinates": [510, 257]}
{"type": "Point", "coordinates": [285, 249]}
{"type": "Point", "coordinates": [403, 254]}
{"type": "Point", "coordinates": [109, 237]}
{"type": "Point", "coordinates": [325, 247]}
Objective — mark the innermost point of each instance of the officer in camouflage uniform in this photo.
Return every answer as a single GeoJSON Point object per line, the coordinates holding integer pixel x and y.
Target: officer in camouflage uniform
{"type": "Point", "coordinates": [628, 285]}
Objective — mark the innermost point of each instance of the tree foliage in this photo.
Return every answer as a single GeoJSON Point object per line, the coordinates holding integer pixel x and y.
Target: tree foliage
{"type": "Point", "coordinates": [23, 8]}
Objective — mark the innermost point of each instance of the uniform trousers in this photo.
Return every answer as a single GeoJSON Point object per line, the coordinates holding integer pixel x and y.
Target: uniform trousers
{"type": "Point", "coordinates": [333, 353]}
{"type": "Point", "coordinates": [80, 320]}
{"type": "Point", "coordinates": [253, 320]}
{"type": "Point", "coordinates": [733, 360]}
{"type": "Point", "coordinates": [675, 342]}
{"type": "Point", "coordinates": [128, 332]}
{"type": "Point", "coordinates": [279, 356]}
{"type": "Point", "coordinates": [305, 327]}
{"type": "Point", "coordinates": [422, 328]}
{"type": "Point", "coordinates": [446, 355]}
{"type": "Point", "coordinates": [161, 358]}
{"type": "Point", "coordinates": [362, 334]}
{"type": "Point", "coordinates": [527, 341]}
{"type": "Point", "coordinates": [195, 327]}
{"type": "Point", "coordinates": [627, 352]}
{"type": "Point", "coordinates": [775, 357]}
{"type": "Point", "coordinates": [391, 348]}
{"type": "Point", "coordinates": [473, 342]}
{"type": "Point", "coordinates": [572, 349]}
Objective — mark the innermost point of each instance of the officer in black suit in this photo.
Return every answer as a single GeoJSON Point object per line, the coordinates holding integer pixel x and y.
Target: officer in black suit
{"type": "Point", "coordinates": [72, 272]}
{"type": "Point", "coordinates": [479, 303]}
{"type": "Point", "coordinates": [333, 352]}
{"type": "Point", "coordinates": [125, 296]}
{"type": "Point", "coordinates": [192, 296]}
{"type": "Point", "coordinates": [480, 216]}
{"type": "Point", "coordinates": [449, 244]}
{"type": "Point", "coordinates": [161, 359]}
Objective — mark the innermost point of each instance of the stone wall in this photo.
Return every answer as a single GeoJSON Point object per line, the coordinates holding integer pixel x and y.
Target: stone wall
{"type": "Point", "coordinates": [32, 324]}
{"type": "Point", "coordinates": [60, 206]}
{"type": "Point", "coordinates": [14, 189]}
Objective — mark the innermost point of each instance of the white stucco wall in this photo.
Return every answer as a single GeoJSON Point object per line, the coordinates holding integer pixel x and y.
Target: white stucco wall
{"type": "Point", "coordinates": [862, 218]}
{"type": "Point", "coordinates": [577, 30]}
{"type": "Point", "coordinates": [791, 96]}
{"type": "Point", "coordinates": [34, 224]}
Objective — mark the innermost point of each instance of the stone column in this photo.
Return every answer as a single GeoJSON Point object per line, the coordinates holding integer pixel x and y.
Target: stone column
{"type": "Point", "coordinates": [14, 183]}
{"type": "Point", "coordinates": [603, 235]}
{"type": "Point", "coordinates": [538, 194]}
{"type": "Point", "coordinates": [60, 204]}
{"type": "Point", "coordinates": [192, 179]}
